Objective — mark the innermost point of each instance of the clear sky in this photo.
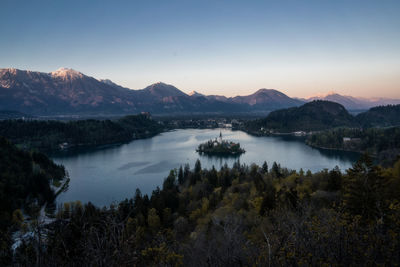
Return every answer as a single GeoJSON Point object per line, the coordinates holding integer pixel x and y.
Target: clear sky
{"type": "Point", "coordinates": [215, 47]}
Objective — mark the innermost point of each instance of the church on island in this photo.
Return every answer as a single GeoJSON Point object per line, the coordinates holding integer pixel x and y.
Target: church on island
{"type": "Point", "coordinates": [218, 146]}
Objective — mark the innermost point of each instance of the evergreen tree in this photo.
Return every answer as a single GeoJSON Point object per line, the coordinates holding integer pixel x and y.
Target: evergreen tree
{"type": "Point", "coordinates": [334, 180]}
{"type": "Point", "coordinates": [276, 170]}
{"type": "Point", "coordinates": [180, 175]}
{"type": "Point", "coordinates": [186, 172]}
{"type": "Point", "coordinates": [197, 166]}
{"type": "Point", "coordinates": [265, 167]}
{"type": "Point", "coordinates": [170, 181]}
{"type": "Point", "coordinates": [363, 190]}
{"type": "Point", "coordinates": [153, 219]}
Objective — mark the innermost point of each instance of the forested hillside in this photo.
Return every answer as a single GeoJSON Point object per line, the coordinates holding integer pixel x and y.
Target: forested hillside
{"type": "Point", "coordinates": [48, 135]}
{"type": "Point", "coordinates": [382, 116]}
{"type": "Point", "coordinates": [239, 216]}
{"type": "Point", "coordinates": [313, 116]}
{"type": "Point", "coordinates": [323, 115]}
{"type": "Point", "coordinates": [27, 181]}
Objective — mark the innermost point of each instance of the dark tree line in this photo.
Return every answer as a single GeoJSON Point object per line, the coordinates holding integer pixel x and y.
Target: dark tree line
{"type": "Point", "coordinates": [48, 135]}
{"type": "Point", "coordinates": [383, 143]}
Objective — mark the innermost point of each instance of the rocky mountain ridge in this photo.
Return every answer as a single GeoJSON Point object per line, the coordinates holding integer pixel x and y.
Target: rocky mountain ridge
{"type": "Point", "coordinates": [67, 91]}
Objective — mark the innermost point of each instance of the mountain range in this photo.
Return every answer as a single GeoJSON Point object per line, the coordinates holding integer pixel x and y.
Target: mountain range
{"type": "Point", "coordinates": [353, 103]}
{"type": "Point", "coordinates": [67, 92]}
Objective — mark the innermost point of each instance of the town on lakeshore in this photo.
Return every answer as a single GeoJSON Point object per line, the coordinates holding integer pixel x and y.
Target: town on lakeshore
{"type": "Point", "coordinates": [218, 146]}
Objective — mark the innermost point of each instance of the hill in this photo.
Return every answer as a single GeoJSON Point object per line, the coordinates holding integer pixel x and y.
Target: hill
{"type": "Point", "coordinates": [383, 116]}
{"type": "Point", "coordinates": [313, 116]}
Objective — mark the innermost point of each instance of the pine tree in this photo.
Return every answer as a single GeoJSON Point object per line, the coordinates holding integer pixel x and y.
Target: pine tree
{"type": "Point", "coordinates": [197, 166]}
{"type": "Point", "coordinates": [180, 175]}
{"type": "Point", "coordinates": [265, 167]}
{"type": "Point", "coordinates": [363, 192]}
{"type": "Point", "coordinates": [276, 170]}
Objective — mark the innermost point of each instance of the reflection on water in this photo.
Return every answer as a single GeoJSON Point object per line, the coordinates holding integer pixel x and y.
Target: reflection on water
{"type": "Point", "coordinates": [113, 173]}
{"type": "Point", "coordinates": [155, 168]}
{"type": "Point", "coordinates": [129, 165]}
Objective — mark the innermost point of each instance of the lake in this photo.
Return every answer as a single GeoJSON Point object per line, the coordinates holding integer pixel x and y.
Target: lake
{"type": "Point", "coordinates": [106, 175]}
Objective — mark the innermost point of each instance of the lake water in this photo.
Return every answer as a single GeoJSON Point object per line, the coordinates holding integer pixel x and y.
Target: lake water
{"type": "Point", "coordinates": [111, 174]}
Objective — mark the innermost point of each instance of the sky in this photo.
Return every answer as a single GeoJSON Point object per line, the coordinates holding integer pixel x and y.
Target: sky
{"type": "Point", "coordinates": [299, 47]}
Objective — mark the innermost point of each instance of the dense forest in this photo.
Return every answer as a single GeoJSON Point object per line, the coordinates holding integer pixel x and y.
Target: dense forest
{"type": "Point", "coordinates": [313, 116]}
{"type": "Point", "coordinates": [48, 135]}
{"type": "Point", "coordinates": [323, 115]}
{"type": "Point", "coordinates": [380, 116]}
{"type": "Point", "coordinates": [239, 216]}
{"type": "Point", "coordinates": [383, 143]}
{"type": "Point", "coordinates": [28, 181]}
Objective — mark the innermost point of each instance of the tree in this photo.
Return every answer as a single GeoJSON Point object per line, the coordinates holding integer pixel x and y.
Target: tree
{"type": "Point", "coordinates": [213, 177]}
{"type": "Point", "coordinates": [334, 180]}
{"type": "Point", "coordinates": [169, 182]}
{"type": "Point", "coordinates": [268, 202]}
{"type": "Point", "coordinates": [153, 219]}
{"type": "Point", "coordinates": [197, 170]}
{"type": "Point", "coordinates": [236, 165]}
{"type": "Point", "coordinates": [186, 171]}
{"type": "Point", "coordinates": [265, 167]}
{"type": "Point", "coordinates": [276, 170]}
{"type": "Point", "coordinates": [180, 175]}
{"type": "Point", "coordinates": [197, 166]}
{"type": "Point", "coordinates": [364, 189]}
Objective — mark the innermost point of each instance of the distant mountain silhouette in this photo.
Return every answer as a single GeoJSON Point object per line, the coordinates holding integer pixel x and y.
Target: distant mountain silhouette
{"type": "Point", "coordinates": [267, 97]}
{"type": "Point", "coordinates": [354, 103]}
{"type": "Point", "coordinates": [263, 99]}
{"type": "Point", "coordinates": [68, 91]}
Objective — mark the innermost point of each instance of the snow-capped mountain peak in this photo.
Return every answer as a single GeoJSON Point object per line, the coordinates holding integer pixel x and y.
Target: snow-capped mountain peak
{"type": "Point", "coordinates": [66, 73]}
{"type": "Point", "coordinates": [194, 93]}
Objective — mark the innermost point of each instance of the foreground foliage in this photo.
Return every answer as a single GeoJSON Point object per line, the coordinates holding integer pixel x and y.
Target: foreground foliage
{"type": "Point", "coordinates": [239, 216]}
{"type": "Point", "coordinates": [28, 180]}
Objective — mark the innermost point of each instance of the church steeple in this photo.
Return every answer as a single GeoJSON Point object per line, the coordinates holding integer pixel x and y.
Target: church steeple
{"type": "Point", "coordinates": [220, 136]}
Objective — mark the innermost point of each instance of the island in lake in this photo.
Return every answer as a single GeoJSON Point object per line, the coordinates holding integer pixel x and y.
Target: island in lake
{"type": "Point", "coordinates": [220, 147]}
